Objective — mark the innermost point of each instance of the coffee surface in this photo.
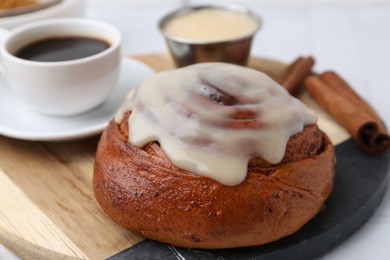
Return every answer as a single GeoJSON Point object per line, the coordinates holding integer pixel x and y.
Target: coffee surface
{"type": "Point", "coordinates": [62, 49]}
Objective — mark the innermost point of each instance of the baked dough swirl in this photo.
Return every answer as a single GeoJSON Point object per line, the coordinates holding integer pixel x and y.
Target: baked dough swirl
{"type": "Point", "coordinates": [143, 190]}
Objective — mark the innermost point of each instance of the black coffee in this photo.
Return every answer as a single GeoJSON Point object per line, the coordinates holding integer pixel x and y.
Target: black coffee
{"type": "Point", "coordinates": [62, 49]}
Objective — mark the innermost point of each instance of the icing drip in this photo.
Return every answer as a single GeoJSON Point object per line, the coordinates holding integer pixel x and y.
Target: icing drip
{"type": "Point", "coordinates": [212, 118]}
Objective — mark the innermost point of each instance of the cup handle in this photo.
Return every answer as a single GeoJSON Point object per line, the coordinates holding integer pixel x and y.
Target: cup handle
{"type": "Point", "coordinates": [3, 34]}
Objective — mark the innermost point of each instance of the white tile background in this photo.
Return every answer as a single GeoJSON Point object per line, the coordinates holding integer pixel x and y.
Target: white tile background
{"type": "Point", "coordinates": [352, 37]}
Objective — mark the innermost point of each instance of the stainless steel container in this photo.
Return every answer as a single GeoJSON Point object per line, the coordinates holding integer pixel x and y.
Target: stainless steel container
{"type": "Point", "coordinates": [187, 51]}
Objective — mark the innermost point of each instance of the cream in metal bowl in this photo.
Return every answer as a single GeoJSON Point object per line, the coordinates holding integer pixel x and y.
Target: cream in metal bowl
{"type": "Point", "coordinates": [210, 33]}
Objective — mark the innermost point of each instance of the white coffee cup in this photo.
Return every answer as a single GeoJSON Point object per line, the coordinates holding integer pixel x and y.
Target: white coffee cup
{"type": "Point", "coordinates": [61, 88]}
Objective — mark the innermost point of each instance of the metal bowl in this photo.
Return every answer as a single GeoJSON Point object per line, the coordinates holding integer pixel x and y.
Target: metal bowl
{"type": "Point", "coordinates": [187, 51]}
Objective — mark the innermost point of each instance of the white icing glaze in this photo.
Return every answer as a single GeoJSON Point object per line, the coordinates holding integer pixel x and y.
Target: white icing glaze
{"type": "Point", "coordinates": [211, 25]}
{"type": "Point", "coordinates": [182, 109]}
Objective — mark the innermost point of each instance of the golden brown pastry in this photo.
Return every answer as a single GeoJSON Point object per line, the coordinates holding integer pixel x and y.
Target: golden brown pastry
{"type": "Point", "coordinates": [143, 188]}
{"type": "Point", "coordinates": [8, 4]}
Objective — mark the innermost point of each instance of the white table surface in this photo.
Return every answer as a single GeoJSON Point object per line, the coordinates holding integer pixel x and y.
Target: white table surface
{"type": "Point", "coordinates": [351, 37]}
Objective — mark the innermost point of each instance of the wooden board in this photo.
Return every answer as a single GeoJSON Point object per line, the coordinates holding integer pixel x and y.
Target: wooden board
{"type": "Point", "coordinates": [47, 207]}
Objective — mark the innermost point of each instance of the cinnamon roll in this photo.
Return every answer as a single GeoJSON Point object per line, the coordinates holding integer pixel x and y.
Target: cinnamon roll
{"type": "Point", "coordinates": [213, 155]}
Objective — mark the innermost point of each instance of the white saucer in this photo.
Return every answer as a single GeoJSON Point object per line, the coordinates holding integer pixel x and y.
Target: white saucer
{"type": "Point", "coordinates": [18, 120]}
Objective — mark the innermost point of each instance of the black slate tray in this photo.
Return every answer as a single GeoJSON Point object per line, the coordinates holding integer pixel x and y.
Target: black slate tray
{"type": "Point", "coordinates": [360, 185]}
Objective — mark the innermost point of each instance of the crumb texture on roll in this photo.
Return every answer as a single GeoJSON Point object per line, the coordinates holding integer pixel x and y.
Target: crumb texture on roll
{"type": "Point", "coordinates": [143, 191]}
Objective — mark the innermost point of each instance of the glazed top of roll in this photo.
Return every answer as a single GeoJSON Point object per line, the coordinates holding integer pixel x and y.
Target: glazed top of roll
{"type": "Point", "coordinates": [212, 118]}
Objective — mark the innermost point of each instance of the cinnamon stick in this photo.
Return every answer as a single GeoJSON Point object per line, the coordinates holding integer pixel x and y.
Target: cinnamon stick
{"type": "Point", "coordinates": [342, 87]}
{"type": "Point", "coordinates": [292, 77]}
{"type": "Point", "coordinates": [336, 96]}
